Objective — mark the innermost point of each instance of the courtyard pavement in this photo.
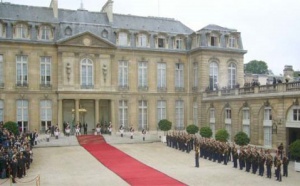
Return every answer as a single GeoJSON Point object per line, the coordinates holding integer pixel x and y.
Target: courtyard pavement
{"type": "Point", "coordinates": [63, 162]}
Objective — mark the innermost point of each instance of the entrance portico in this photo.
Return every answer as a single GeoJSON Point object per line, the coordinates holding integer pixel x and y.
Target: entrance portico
{"type": "Point", "coordinates": [90, 111]}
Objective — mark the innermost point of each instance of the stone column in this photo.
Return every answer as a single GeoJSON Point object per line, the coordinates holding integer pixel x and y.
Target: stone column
{"type": "Point", "coordinates": [59, 114]}
{"type": "Point", "coordinates": [76, 111]}
{"type": "Point", "coordinates": [113, 116]}
{"type": "Point", "coordinates": [96, 112]}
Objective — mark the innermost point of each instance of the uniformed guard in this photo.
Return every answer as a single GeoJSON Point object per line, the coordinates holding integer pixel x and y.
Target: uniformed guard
{"type": "Point", "coordinates": [197, 156]}
{"type": "Point", "coordinates": [278, 170]}
{"type": "Point", "coordinates": [285, 163]}
{"type": "Point", "coordinates": [121, 129]}
{"type": "Point", "coordinates": [131, 132]}
{"type": "Point", "coordinates": [269, 161]}
{"type": "Point", "coordinates": [144, 134]}
{"type": "Point", "coordinates": [235, 156]}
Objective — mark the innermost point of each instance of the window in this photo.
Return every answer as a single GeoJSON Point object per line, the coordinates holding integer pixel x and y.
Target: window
{"type": "Point", "coordinates": [246, 114]}
{"type": "Point", "coordinates": [227, 113]}
{"type": "Point", "coordinates": [1, 71]}
{"type": "Point", "coordinates": [179, 76]}
{"type": "Point", "coordinates": [179, 114]}
{"type": "Point", "coordinates": [161, 42]}
{"type": "Point", "coordinates": [87, 73]}
{"type": "Point", "coordinates": [213, 41]}
{"type": "Point", "coordinates": [231, 75]}
{"type": "Point", "coordinates": [123, 73]}
{"type": "Point", "coordinates": [161, 75]}
{"type": "Point", "coordinates": [178, 43]}
{"type": "Point", "coordinates": [22, 71]}
{"type": "Point", "coordinates": [213, 129]}
{"type": "Point", "coordinates": [1, 30]}
{"type": "Point", "coordinates": [246, 121]}
{"type": "Point", "coordinates": [268, 136]}
{"type": "Point", "coordinates": [213, 76]}
{"type": "Point", "coordinates": [45, 114]}
{"type": "Point", "coordinates": [296, 114]}
{"type": "Point", "coordinates": [142, 40]}
{"type": "Point", "coordinates": [1, 111]}
{"type": "Point", "coordinates": [123, 39]}
{"type": "Point", "coordinates": [45, 33]}
{"type": "Point", "coordinates": [22, 115]}
{"type": "Point", "coordinates": [195, 77]}
{"type": "Point", "coordinates": [195, 113]}
{"type": "Point", "coordinates": [45, 73]}
{"type": "Point", "coordinates": [161, 110]}
{"type": "Point", "coordinates": [21, 31]}
{"type": "Point", "coordinates": [123, 113]}
{"type": "Point", "coordinates": [68, 31]}
{"type": "Point", "coordinates": [231, 42]}
{"type": "Point", "coordinates": [143, 108]}
{"type": "Point", "coordinates": [212, 113]}
{"type": "Point", "coordinates": [143, 74]}
{"type": "Point", "coordinates": [228, 128]}
{"type": "Point", "coordinates": [268, 113]}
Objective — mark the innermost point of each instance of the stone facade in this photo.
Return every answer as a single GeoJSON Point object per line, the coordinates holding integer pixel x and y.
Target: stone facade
{"type": "Point", "coordinates": [79, 66]}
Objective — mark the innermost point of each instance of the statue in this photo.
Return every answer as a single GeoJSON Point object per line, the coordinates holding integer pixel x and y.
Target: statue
{"type": "Point", "coordinates": [104, 71]}
{"type": "Point", "coordinates": [68, 71]}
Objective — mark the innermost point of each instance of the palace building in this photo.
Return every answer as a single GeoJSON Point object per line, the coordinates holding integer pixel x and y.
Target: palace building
{"type": "Point", "coordinates": [59, 65]}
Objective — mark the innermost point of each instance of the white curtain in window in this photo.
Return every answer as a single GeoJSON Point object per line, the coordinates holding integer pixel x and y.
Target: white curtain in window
{"type": "Point", "coordinates": [142, 69]}
{"type": "Point", "coordinates": [161, 75]}
{"type": "Point", "coordinates": [268, 136]}
{"type": "Point", "coordinates": [179, 114]}
{"type": "Point", "coordinates": [123, 73]}
{"type": "Point", "coordinates": [143, 107]}
{"type": "Point", "coordinates": [161, 110]}
{"type": "Point", "coordinates": [213, 75]}
{"type": "Point", "coordinates": [179, 76]}
{"type": "Point", "coordinates": [123, 113]}
{"type": "Point", "coordinates": [231, 75]}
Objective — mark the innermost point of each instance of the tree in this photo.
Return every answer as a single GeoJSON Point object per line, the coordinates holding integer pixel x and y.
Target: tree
{"type": "Point", "coordinates": [206, 132]}
{"type": "Point", "coordinates": [164, 125]}
{"type": "Point", "coordinates": [295, 150]}
{"type": "Point", "coordinates": [12, 127]}
{"type": "Point", "coordinates": [222, 135]}
{"type": "Point", "coordinates": [192, 129]}
{"type": "Point", "coordinates": [241, 138]}
{"type": "Point", "coordinates": [256, 67]}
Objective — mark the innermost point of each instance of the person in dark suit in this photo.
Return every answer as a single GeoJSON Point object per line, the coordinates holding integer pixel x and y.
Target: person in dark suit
{"type": "Point", "coordinates": [144, 134]}
{"type": "Point", "coordinates": [14, 169]}
{"type": "Point", "coordinates": [85, 126]}
{"type": "Point", "coordinates": [131, 132]}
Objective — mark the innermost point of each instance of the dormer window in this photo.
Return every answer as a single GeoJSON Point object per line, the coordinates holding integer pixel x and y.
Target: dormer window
{"type": "Point", "coordinates": [45, 33]}
{"type": "Point", "coordinates": [21, 31]}
{"type": "Point", "coordinates": [161, 42]}
{"type": "Point", "coordinates": [231, 42]}
{"type": "Point", "coordinates": [1, 30]}
{"type": "Point", "coordinates": [142, 40]}
{"type": "Point", "coordinates": [104, 33]}
{"type": "Point", "coordinates": [178, 43]}
{"type": "Point", "coordinates": [68, 31]}
{"type": "Point", "coordinates": [213, 41]}
{"type": "Point", "coordinates": [123, 39]}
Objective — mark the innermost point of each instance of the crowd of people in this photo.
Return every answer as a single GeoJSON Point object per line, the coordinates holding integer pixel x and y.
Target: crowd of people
{"type": "Point", "coordinates": [15, 153]}
{"type": "Point", "coordinates": [249, 157]}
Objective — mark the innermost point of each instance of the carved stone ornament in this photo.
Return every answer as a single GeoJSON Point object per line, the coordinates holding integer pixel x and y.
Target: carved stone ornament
{"type": "Point", "coordinates": [267, 103]}
{"type": "Point", "coordinates": [211, 105]}
{"type": "Point", "coordinates": [86, 41]}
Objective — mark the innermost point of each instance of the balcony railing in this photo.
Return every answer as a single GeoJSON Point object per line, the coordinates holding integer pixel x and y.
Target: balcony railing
{"type": "Point", "coordinates": [22, 84]}
{"type": "Point", "coordinates": [123, 88]}
{"type": "Point", "coordinates": [87, 86]}
{"type": "Point", "coordinates": [264, 89]}
{"type": "Point", "coordinates": [45, 86]}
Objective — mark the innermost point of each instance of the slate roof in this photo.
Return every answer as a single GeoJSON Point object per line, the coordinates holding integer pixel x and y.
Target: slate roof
{"type": "Point", "coordinates": [44, 14]}
{"type": "Point", "coordinates": [217, 27]}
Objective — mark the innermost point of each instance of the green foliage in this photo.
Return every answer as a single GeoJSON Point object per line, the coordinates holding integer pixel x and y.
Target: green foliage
{"type": "Point", "coordinates": [12, 127]}
{"type": "Point", "coordinates": [241, 138]}
{"type": "Point", "coordinates": [295, 150]}
{"type": "Point", "coordinates": [192, 129]}
{"type": "Point", "coordinates": [206, 132]}
{"type": "Point", "coordinates": [222, 135]}
{"type": "Point", "coordinates": [164, 125]}
{"type": "Point", "coordinates": [256, 67]}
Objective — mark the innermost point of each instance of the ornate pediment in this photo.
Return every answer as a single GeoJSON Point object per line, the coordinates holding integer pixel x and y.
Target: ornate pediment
{"type": "Point", "coordinates": [86, 39]}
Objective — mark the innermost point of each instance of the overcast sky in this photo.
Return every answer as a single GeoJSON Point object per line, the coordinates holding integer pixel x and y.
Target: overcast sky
{"type": "Point", "coordinates": [270, 28]}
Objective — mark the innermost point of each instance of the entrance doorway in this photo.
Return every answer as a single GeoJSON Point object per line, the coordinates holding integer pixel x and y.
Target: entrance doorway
{"type": "Point", "coordinates": [294, 134]}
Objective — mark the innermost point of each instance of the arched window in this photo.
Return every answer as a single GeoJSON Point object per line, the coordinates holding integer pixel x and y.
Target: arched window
{"type": "Point", "coordinates": [213, 76]}
{"type": "Point", "coordinates": [68, 31]}
{"type": "Point", "coordinates": [231, 75]}
{"type": "Point", "coordinates": [87, 73]}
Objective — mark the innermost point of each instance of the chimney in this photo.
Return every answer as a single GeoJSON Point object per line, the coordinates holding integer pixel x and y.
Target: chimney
{"type": "Point", "coordinates": [108, 9]}
{"type": "Point", "coordinates": [54, 6]}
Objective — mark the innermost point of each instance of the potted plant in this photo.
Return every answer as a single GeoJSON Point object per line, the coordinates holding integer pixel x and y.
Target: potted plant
{"type": "Point", "coordinates": [164, 125]}
{"type": "Point", "coordinates": [206, 132]}
{"type": "Point", "coordinates": [295, 153]}
{"type": "Point", "coordinates": [192, 129]}
{"type": "Point", "coordinates": [222, 135]}
{"type": "Point", "coordinates": [241, 138]}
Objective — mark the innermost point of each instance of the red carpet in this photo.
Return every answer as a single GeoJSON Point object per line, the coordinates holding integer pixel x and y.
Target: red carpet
{"type": "Point", "coordinates": [128, 168]}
